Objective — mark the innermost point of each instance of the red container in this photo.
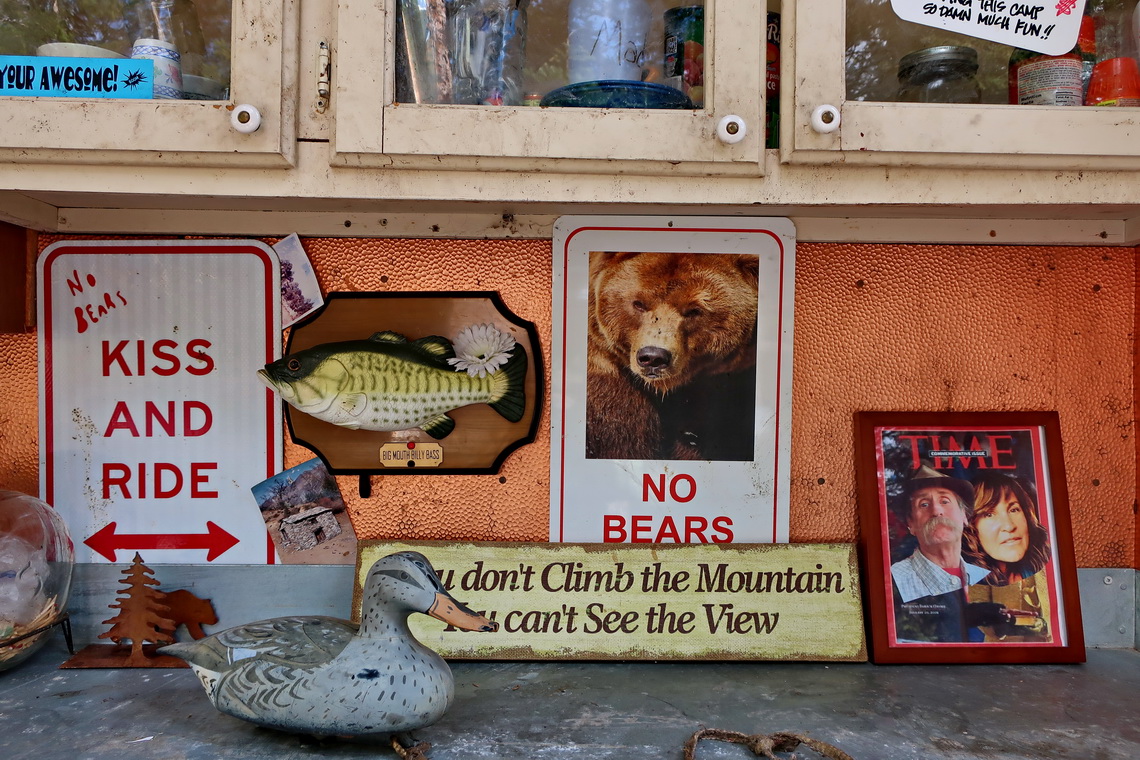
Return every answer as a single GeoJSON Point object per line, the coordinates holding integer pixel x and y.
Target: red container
{"type": "Point", "coordinates": [1115, 82]}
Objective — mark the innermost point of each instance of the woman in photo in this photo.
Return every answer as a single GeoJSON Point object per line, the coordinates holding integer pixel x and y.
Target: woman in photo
{"type": "Point", "coordinates": [1006, 537]}
{"type": "Point", "coordinates": [1005, 534]}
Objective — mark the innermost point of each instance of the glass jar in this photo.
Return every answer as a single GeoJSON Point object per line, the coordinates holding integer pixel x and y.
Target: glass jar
{"type": "Point", "coordinates": [1115, 79]}
{"type": "Point", "coordinates": [943, 74]}
{"type": "Point", "coordinates": [36, 559]}
{"type": "Point", "coordinates": [606, 40]}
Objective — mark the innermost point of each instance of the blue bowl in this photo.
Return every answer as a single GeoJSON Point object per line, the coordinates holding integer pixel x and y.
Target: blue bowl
{"type": "Point", "coordinates": [617, 93]}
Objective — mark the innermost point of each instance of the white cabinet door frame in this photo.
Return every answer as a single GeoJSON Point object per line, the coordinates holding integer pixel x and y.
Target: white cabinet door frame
{"type": "Point", "coordinates": [370, 129]}
{"type": "Point", "coordinates": [176, 132]}
{"type": "Point", "coordinates": [929, 134]}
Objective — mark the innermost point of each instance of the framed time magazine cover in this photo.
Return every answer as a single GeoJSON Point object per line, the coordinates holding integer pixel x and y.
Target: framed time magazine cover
{"type": "Point", "coordinates": [966, 539]}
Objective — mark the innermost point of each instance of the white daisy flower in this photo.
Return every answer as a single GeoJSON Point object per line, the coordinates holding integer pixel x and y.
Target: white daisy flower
{"type": "Point", "coordinates": [481, 349]}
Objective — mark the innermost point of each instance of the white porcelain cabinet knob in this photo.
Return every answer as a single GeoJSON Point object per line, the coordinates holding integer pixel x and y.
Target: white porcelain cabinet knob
{"type": "Point", "coordinates": [245, 118]}
{"type": "Point", "coordinates": [825, 119]}
{"type": "Point", "coordinates": [731, 129]}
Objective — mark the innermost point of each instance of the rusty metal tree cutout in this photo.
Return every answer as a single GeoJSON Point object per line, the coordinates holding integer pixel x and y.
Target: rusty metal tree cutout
{"type": "Point", "coordinates": [147, 617]}
{"type": "Point", "coordinates": [142, 615]}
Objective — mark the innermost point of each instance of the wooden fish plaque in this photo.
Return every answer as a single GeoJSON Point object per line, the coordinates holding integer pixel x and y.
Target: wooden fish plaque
{"type": "Point", "coordinates": [660, 601]}
{"type": "Point", "coordinates": [351, 427]}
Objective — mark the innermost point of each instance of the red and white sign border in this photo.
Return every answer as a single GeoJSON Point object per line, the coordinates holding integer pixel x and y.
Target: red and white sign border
{"type": "Point", "coordinates": [46, 313]}
{"type": "Point", "coordinates": [579, 486]}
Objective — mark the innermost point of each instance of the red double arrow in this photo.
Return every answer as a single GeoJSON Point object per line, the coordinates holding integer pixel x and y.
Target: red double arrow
{"type": "Point", "coordinates": [215, 540]}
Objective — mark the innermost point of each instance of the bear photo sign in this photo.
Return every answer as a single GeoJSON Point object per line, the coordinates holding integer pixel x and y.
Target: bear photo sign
{"type": "Point", "coordinates": [671, 381]}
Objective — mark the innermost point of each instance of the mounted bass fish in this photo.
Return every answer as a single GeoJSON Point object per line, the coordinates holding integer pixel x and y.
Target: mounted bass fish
{"type": "Point", "coordinates": [389, 383]}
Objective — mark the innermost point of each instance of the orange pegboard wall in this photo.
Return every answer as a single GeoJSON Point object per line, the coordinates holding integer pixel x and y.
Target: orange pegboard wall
{"type": "Point", "coordinates": [966, 328]}
{"type": "Point", "coordinates": [19, 423]}
{"type": "Point", "coordinates": [877, 327]}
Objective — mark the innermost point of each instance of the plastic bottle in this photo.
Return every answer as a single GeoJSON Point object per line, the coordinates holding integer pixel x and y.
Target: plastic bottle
{"type": "Point", "coordinates": [1115, 78]}
{"type": "Point", "coordinates": [155, 20]}
{"type": "Point", "coordinates": [607, 39]}
{"type": "Point", "coordinates": [772, 81]}
{"type": "Point", "coordinates": [1136, 28]}
{"type": "Point", "coordinates": [488, 51]}
{"type": "Point", "coordinates": [684, 51]}
{"type": "Point", "coordinates": [1086, 42]}
{"type": "Point", "coordinates": [1036, 79]}
{"type": "Point", "coordinates": [1115, 82]}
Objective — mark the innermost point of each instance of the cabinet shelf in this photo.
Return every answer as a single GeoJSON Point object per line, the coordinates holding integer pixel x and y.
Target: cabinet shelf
{"type": "Point", "coordinates": [370, 166]}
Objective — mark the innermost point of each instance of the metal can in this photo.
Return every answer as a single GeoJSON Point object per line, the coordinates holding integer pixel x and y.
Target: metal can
{"type": "Point", "coordinates": [772, 83]}
{"type": "Point", "coordinates": [685, 51]}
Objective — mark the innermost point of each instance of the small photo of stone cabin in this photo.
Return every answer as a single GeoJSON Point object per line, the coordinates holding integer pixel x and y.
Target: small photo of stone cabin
{"type": "Point", "coordinates": [306, 517]}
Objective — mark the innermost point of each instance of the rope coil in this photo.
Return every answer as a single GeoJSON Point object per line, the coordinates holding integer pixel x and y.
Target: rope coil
{"type": "Point", "coordinates": [418, 752]}
{"type": "Point", "coordinates": [764, 745]}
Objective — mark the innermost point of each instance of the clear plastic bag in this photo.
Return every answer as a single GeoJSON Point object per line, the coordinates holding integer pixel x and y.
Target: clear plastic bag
{"type": "Point", "coordinates": [467, 52]}
{"type": "Point", "coordinates": [488, 51]}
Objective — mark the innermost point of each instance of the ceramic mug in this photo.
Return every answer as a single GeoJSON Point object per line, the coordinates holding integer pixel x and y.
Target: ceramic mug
{"type": "Point", "coordinates": [74, 50]}
{"type": "Point", "coordinates": [167, 66]}
{"type": "Point", "coordinates": [201, 88]}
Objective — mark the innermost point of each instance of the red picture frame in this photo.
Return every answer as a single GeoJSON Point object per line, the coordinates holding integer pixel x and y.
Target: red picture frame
{"type": "Point", "coordinates": [965, 538]}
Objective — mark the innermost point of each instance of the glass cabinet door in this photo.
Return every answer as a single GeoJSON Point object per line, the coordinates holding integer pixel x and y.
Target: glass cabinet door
{"type": "Point", "coordinates": [147, 81]}
{"type": "Point", "coordinates": [854, 60]}
{"type": "Point", "coordinates": [511, 84]}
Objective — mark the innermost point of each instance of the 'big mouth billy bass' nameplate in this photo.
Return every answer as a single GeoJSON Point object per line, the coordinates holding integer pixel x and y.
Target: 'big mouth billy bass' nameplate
{"type": "Point", "coordinates": [411, 454]}
{"type": "Point", "coordinates": [404, 383]}
{"type": "Point", "coordinates": [643, 601]}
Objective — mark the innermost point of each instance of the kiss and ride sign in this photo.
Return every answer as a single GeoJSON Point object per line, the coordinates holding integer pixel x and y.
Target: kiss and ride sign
{"type": "Point", "coordinates": [663, 601]}
{"type": "Point", "coordinates": [153, 424]}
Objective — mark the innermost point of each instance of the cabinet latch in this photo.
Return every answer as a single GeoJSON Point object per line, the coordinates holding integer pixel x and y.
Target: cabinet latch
{"type": "Point", "coordinates": [323, 71]}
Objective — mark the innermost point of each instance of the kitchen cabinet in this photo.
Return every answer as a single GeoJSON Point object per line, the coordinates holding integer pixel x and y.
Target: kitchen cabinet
{"type": "Point", "coordinates": [363, 164]}
{"type": "Point", "coordinates": [175, 132]}
{"type": "Point", "coordinates": [817, 38]}
{"type": "Point", "coordinates": [275, 70]}
{"type": "Point", "coordinates": [366, 127]}
{"type": "Point", "coordinates": [371, 129]}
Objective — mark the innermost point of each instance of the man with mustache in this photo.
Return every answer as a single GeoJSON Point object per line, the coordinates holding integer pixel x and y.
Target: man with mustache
{"type": "Point", "coordinates": [930, 585]}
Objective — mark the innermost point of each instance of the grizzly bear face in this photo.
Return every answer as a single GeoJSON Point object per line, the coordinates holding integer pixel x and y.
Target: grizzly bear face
{"type": "Point", "coordinates": [670, 318]}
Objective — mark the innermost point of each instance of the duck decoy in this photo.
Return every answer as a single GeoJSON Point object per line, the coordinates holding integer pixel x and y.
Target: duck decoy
{"type": "Point", "coordinates": [330, 677]}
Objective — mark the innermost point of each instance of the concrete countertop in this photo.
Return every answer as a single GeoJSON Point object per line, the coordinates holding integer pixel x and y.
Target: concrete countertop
{"type": "Point", "coordinates": [613, 710]}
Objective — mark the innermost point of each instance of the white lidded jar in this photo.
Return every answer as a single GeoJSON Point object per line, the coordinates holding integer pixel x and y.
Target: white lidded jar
{"type": "Point", "coordinates": [607, 39]}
